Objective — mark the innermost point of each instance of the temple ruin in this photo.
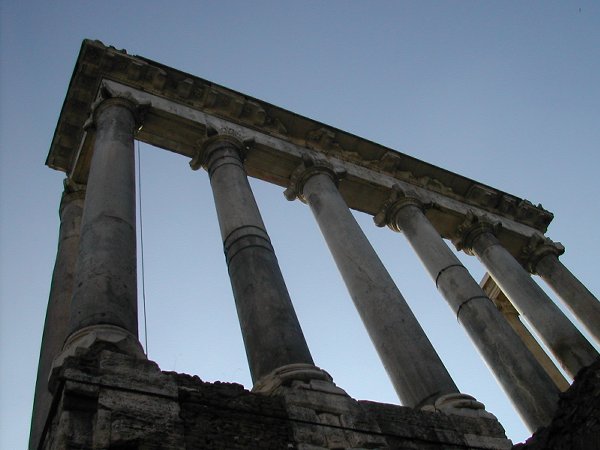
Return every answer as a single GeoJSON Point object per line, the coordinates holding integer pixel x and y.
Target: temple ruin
{"type": "Point", "coordinates": [96, 388]}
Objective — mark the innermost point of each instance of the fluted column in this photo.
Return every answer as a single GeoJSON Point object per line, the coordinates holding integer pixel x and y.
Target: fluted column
{"type": "Point", "coordinates": [528, 386]}
{"type": "Point", "coordinates": [56, 325]}
{"type": "Point", "coordinates": [566, 342]}
{"type": "Point", "coordinates": [270, 329]}
{"type": "Point", "coordinates": [416, 371]}
{"type": "Point", "coordinates": [104, 304]}
{"type": "Point", "coordinates": [543, 260]}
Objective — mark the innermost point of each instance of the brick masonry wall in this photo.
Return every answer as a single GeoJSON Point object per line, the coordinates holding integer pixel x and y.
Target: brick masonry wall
{"type": "Point", "coordinates": [225, 415]}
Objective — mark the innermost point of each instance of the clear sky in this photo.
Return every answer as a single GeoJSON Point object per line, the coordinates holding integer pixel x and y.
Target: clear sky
{"type": "Point", "coordinates": [506, 93]}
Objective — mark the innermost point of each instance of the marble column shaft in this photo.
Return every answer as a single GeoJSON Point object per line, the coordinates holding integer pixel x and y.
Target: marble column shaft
{"type": "Point", "coordinates": [512, 316]}
{"type": "Point", "coordinates": [575, 295]}
{"type": "Point", "coordinates": [563, 339]}
{"type": "Point", "coordinates": [56, 325]}
{"type": "Point", "coordinates": [105, 290]}
{"type": "Point", "coordinates": [530, 389]}
{"type": "Point", "coordinates": [270, 329]}
{"type": "Point", "coordinates": [416, 371]}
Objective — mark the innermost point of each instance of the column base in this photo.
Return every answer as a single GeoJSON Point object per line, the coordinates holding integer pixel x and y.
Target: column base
{"type": "Point", "coordinates": [85, 339]}
{"type": "Point", "coordinates": [300, 376]}
{"type": "Point", "coordinates": [323, 415]}
{"type": "Point", "coordinates": [461, 405]}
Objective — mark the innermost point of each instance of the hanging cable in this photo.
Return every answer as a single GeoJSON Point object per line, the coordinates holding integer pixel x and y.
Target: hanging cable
{"type": "Point", "coordinates": [139, 178]}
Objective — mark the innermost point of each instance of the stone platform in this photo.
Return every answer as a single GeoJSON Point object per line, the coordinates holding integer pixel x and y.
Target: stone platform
{"type": "Point", "coordinates": [108, 400]}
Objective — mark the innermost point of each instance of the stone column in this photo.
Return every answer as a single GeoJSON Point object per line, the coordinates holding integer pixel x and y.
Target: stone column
{"type": "Point", "coordinates": [415, 369]}
{"type": "Point", "coordinates": [528, 386]}
{"type": "Point", "coordinates": [542, 259]}
{"type": "Point", "coordinates": [271, 331]}
{"type": "Point", "coordinates": [511, 315]}
{"type": "Point", "coordinates": [566, 342]}
{"type": "Point", "coordinates": [56, 326]}
{"type": "Point", "coordinates": [104, 304]}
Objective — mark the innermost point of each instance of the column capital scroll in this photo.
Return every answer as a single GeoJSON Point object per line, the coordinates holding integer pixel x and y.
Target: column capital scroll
{"type": "Point", "coordinates": [473, 226]}
{"type": "Point", "coordinates": [72, 191]}
{"type": "Point", "coordinates": [398, 199]}
{"type": "Point", "coordinates": [538, 247]}
{"type": "Point", "coordinates": [310, 166]}
{"type": "Point", "coordinates": [107, 97]}
{"type": "Point", "coordinates": [216, 139]}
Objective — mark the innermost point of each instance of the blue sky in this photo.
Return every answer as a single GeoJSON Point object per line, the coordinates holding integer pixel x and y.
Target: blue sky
{"type": "Point", "coordinates": [506, 93]}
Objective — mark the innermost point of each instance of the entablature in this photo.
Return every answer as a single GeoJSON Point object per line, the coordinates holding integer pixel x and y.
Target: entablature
{"type": "Point", "coordinates": [184, 108]}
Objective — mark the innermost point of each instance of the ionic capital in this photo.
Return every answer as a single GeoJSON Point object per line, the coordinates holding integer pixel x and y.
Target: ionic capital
{"type": "Point", "coordinates": [216, 140]}
{"type": "Point", "coordinates": [72, 191]}
{"type": "Point", "coordinates": [538, 247]}
{"type": "Point", "coordinates": [310, 166]}
{"type": "Point", "coordinates": [398, 199]}
{"type": "Point", "coordinates": [473, 226]}
{"type": "Point", "coordinates": [108, 98]}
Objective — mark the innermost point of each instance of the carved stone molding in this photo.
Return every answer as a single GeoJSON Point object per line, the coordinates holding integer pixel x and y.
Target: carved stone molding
{"type": "Point", "coordinates": [183, 103]}
{"type": "Point", "coordinates": [434, 184]}
{"type": "Point", "coordinates": [524, 211]}
{"type": "Point", "coordinates": [324, 140]}
{"type": "Point", "coordinates": [229, 105]}
{"type": "Point", "coordinates": [328, 142]}
{"type": "Point", "coordinates": [536, 216]}
{"type": "Point", "coordinates": [310, 166]}
{"type": "Point", "coordinates": [398, 199]}
{"type": "Point", "coordinates": [158, 77]}
{"type": "Point", "coordinates": [519, 209]}
{"type": "Point", "coordinates": [392, 163]}
{"type": "Point", "coordinates": [538, 247]}
{"type": "Point", "coordinates": [507, 205]}
{"type": "Point", "coordinates": [483, 196]}
{"type": "Point", "coordinates": [473, 226]}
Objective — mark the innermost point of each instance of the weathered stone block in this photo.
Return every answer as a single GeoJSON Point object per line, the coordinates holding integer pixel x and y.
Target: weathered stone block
{"type": "Point", "coordinates": [109, 400]}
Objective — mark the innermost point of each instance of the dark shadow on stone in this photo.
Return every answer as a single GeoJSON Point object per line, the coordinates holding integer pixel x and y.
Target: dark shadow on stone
{"type": "Point", "coordinates": [576, 425]}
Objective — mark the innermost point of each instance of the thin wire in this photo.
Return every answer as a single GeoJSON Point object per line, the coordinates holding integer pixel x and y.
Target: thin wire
{"type": "Point", "coordinates": [139, 177]}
